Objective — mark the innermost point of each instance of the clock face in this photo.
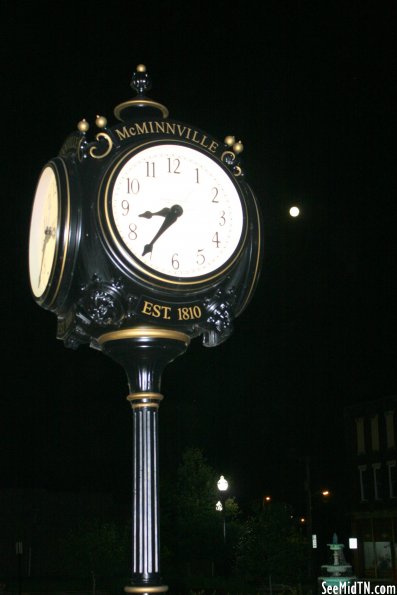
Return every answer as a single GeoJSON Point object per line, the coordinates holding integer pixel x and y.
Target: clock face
{"type": "Point", "coordinates": [43, 232]}
{"type": "Point", "coordinates": [177, 211]}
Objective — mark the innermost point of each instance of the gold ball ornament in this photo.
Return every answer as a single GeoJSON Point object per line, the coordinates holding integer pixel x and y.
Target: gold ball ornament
{"type": "Point", "coordinates": [141, 68]}
{"type": "Point", "coordinates": [83, 125]}
{"type": "Point", "coordinates": [101, 121]}
{"type": "Point", "coordinates": [230, 140]}
{"type": "Point", "coordinates": [238, 147]}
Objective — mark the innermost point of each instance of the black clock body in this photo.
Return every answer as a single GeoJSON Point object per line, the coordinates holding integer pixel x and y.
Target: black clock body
{"type": "Point", "coordinates": [105, 286]}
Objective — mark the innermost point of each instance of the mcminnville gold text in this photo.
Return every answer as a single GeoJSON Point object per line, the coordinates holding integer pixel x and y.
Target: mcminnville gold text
{"type": "Point", "coordinates": [172, 128]}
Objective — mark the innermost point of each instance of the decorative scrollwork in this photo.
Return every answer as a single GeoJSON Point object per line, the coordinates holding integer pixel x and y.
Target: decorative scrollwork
{"type": "Point", "coordinates": [95, 148]}
{"type": "Point", "coordinates": [230, 158]}
{"type": "Point", "coordinates": [220, 316]}
{"type": "Point", "coordinates": [103, 303]}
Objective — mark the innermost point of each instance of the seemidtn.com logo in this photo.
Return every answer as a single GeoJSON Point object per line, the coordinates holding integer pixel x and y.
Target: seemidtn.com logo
{"type": "Point", "coordinates": [357, 588]}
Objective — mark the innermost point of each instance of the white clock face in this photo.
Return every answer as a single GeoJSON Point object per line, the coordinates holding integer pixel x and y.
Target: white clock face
{"type": "Point", "coordinates": [177, 211]}
{"type": "Point", "coordinates": [43, 228]}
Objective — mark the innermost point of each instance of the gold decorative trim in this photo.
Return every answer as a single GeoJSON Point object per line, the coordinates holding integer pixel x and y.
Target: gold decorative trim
{"type": "Point", "coordinates": [145, 405]}
{"type": "Point", "coordinates": [93, 150]}
{"type": "Point", "coordinates": [144, 332]}
{"type": "Point", "coordinates": [140, 396]}
{"type": "Point", "coordinates": [139, 103]}
{"type": "Point", "coordinates": [160, 589]}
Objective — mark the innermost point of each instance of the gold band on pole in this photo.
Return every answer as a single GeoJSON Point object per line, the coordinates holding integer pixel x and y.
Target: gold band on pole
{"type": "Point", "coordinates": [142, 400]}
{"type": "Point", "coordinates": [160, 589]}
{"type": "Point", "coordinates": [140, 396]}
{"type": "Point", "coordinates": [144, 332]}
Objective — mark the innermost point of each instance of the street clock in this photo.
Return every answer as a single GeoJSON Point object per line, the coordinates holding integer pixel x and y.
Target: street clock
{"type": "Point", "coordinates": [143, 236]}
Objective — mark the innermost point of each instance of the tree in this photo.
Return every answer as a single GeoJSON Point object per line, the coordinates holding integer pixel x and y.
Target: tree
{"type": "Point", "coordinates": [96, 548]}
{"type": "Point", "coordinates": [194, 517]}
{"type": "Point", "coordinates": [191, 527]}
{"type": "Point", "coordinates": [271, 546]}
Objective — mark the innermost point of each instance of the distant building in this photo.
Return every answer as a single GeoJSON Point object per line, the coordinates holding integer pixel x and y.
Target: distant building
{"type": "Point", "coordinates": [371, 434]}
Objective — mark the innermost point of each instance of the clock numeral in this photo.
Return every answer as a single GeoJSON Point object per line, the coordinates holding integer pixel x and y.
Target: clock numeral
{"type": "Point", "coordinates": [222, 219]}
{"type": "Point", "coordinates": [132, 186]}
{"type": "Point", "coordinates": [125, 205]}
{"type": "Point", "coordinates": [150, 169]}
{"type": "Point", "coordinates": [175, 261]}
{"type": "Point", "coordinates": [215, 193]}
{"type": "Point", "coordinates": [173, 165]}
{"type": "Point", "coordinates": [200, 259]}
{"type": "Point", "coordinates": [197, 175]}
{"type": "Point", "coordinates": [216, 239]}
{"type": "Point", "coordinates": [132, 233]}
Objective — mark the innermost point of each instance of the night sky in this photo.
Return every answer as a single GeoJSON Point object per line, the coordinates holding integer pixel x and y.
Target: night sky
{"type": "Point", "coordinates": [310, 89]}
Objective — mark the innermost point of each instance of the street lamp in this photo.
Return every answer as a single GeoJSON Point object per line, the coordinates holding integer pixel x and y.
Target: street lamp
{"type": "Point", "coordinates": [223, 485]}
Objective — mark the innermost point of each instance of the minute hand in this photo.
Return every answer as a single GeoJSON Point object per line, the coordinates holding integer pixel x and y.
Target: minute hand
{"type": "Point", "coordinates": [172, 215]}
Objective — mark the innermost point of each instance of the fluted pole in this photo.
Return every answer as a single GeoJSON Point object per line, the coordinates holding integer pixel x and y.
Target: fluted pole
{"type": "Point", "coordinates": [145, 493]}
{"type": "Point", "coordinates": [144, 352]}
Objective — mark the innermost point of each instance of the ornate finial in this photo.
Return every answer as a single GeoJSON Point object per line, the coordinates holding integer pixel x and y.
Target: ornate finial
{"type": "Point", "coordinates": [141, 82]}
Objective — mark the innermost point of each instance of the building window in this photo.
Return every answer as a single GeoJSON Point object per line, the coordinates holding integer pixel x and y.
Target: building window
{"type": "Point", "coordinates": [389, 418]}
{"type": "Point", "coordinates": [392, 472]}
{"type": "Point", "coordinates": [377, 481]}
{"type": "Point", "coordinates": [375, 433]}
{"type": "Point", "coordinates": [360, 435]}
{"type": "Point", "coordinates": [362, 475]}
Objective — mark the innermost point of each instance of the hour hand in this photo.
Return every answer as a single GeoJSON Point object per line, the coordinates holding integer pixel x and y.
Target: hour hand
{"type": "Point", "coordinates": [171, 215]}
{"type": "Point", "coordinates": [48, 233]}
{"type": "Point", "coordinates": [163, 213]}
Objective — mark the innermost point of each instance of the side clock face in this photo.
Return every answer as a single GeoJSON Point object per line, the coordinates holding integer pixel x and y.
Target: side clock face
{"type": "Point", "coordinates": [50, 234]}
{"type": "Point", "coordinates": [177, 211]}
{"type": "Point", "coordinates": [43, 231]}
